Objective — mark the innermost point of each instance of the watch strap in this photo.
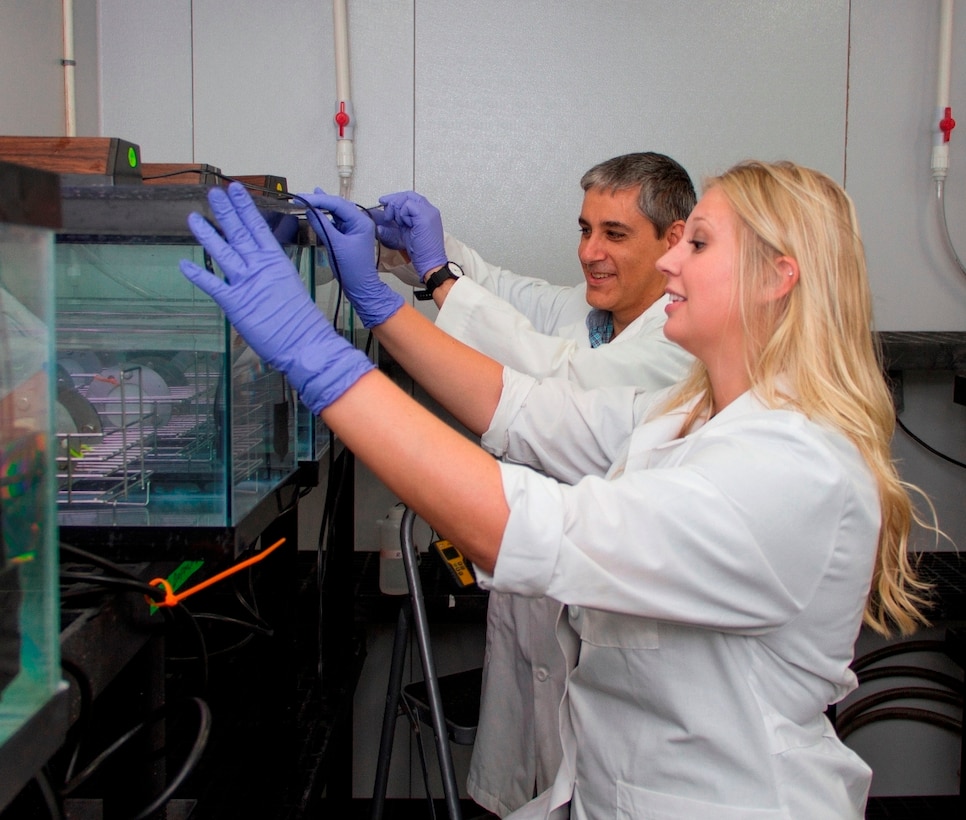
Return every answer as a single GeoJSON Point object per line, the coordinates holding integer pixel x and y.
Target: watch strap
{"type": "Point", "coordinates": [449, 271]}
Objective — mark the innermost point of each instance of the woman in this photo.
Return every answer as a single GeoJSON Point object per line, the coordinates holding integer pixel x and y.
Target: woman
{"type": "Point", "coordinates": [717, 545]}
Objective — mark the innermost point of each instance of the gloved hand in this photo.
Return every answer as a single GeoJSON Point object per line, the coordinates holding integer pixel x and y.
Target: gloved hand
{"type": "Point", "coordinates": [393, 257]}
{"type": "Point", "coordinates": [264, 298]}
{"type": "Point", "coordinates": [420, 228]}
{"type": "Point", "coordinates": [388, 232]}
{"type": "Point", "coordinates": [351, 238]}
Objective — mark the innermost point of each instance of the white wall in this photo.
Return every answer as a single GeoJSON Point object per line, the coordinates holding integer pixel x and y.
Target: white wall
{"type": "Point", "coordinates": [892, 96]}
{"type": "Point", "coordinates": [493, 109]}
{"type": "Point", "coordinates": [31, 75]}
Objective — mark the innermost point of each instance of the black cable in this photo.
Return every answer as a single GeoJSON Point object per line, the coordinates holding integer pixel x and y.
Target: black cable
{"type": "Point", "coordinates": [154, 592]}
{"type": "Point", "coordinates": [215, 617]}
{"type": "Point", "coordinates": [81, 725]}
{"type": "Point", "coordinates": [225, 650]}
{"type": "Point", "coordinates": [280, 194]}
{"type": "Point", "coordinates": [880, 672]}
{"type": "Point", "coordinates": [194, 755]}
{"type": "Point", "coordinates": [109, 582]}
{"type": "Point", "coordinates": [333, 261]}
{"type": "Point", "coordinates": [928, 447]}
{"type": "Point", "coordinates": [334, 491]}
{"type": "Point", "coordinates": [191, 761]}
{"type": "Point", "coordinates": [98, 561]}
{"type": "Point", "coordinates": [51, 800]}
{"type": "Point", "coordinates": [167, 612]}
{"type": "Point", "coordinates": [250, 607]}
{"type": "Point", "coordinates": [903, 713]}
{"type": "Point", "coordinates": [202, 644]}
{"type": "Point", "coordinates": [849, 714]}
{"type": "Point", "coordinates": [92, 767]}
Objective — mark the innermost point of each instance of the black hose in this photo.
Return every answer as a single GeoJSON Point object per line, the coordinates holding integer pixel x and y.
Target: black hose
{"type": "Point", "coordinates": [850, 713]}
{"type": "Point", "coordinates": [903, 713]}
{"type": "Point", "coordinates": [880, 672]}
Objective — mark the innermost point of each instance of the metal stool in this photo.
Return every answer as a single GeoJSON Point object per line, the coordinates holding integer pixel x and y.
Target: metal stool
{"type": "Point", "coordinates": [450, 704]}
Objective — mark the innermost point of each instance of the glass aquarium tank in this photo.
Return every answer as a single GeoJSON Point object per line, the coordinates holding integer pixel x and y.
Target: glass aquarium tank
{"type": "Point", "coordinates": [168, 425]}
{"type": "Point", "coordinates": [30, 674]}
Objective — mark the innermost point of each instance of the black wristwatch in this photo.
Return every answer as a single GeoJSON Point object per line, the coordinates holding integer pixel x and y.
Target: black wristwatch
{"type": "Point", "coordinates": [449, 271]}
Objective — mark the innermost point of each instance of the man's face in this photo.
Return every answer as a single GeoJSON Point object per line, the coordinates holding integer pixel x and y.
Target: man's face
{"type": "Point", "coordinates": [618, 251]}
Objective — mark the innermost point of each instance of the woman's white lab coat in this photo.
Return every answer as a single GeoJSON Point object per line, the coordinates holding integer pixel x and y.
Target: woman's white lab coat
{"type": "Point", "coordinates": [714, 587]}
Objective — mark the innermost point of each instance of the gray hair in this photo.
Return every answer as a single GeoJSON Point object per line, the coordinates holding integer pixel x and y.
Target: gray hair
{"type": "Point", "coordinates": [666, 191]}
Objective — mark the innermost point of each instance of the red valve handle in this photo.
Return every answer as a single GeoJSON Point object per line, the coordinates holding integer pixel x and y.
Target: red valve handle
{"type": "Point", "coordinates": [947, 124]}
{"type": "Point", "coordinates": [342, 119]}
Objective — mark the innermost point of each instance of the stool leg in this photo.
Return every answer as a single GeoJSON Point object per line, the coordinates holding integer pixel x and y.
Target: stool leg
{"type": "Point", "coordinates": [399, 645]}
{"type": "Point", "coordinates": [421, 623]}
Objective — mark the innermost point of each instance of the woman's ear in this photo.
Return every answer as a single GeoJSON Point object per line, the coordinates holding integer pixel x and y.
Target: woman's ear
{"type": "Point", "coordinates": [787, 267]}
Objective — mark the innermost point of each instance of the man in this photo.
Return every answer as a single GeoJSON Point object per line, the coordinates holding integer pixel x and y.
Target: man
{"type": "Point", "coordinates": [607, 331]}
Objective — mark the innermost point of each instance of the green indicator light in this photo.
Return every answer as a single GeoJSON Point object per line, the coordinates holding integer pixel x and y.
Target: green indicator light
{"type": "Point", "coordinates": [181, 574]}
{"type": "Point", "coordinates": [132, 157]}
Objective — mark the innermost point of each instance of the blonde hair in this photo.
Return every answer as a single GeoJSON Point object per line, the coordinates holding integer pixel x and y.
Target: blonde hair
{"type": "Point", "coordinates": [815, 350]}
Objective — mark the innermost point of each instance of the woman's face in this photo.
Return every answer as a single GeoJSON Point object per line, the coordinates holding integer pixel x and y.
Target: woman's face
{"type": "Point", "coordinates": [703, 314]}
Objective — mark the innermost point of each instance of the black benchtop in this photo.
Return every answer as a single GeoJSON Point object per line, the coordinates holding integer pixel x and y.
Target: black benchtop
{"type": "Point", "coordinates": [923, 350]}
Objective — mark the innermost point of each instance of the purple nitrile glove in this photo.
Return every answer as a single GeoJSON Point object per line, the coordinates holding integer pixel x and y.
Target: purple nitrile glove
{"type": "Point", "coordinates": [421, 227]}
{"type": "Point", "coordinates": [351, 238]}
{"type": "Point", "coordinates": [388, 232]}
{"type": "Point", "coordinates": [264, 298]}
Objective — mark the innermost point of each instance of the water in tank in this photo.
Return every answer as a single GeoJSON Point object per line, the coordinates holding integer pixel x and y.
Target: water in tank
{"type": "Point", "coordinates": [29, 623]}
{"type": "Point", "coordinates": [166, 418]}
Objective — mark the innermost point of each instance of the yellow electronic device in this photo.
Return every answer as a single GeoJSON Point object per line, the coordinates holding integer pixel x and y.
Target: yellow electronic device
{"type": "Point", "coordinates": [458, 567]}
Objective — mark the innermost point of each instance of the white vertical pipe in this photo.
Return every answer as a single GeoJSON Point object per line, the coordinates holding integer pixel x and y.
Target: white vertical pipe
{"type": "Point", "coordinates": [945, 53]}
{"type": "Point", "coordinates": [940, 148]}
{"type": "Point", "coordinates": [344, 117]}
{"type": "Point", "coordinates": [70, 102]}
{"type": "Point", "coordinates": [341, 30]}
{"type": "Point", "coordinates": [944, 122]}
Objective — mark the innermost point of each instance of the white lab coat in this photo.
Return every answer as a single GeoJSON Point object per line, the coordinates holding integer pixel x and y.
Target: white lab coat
{"type": "Point", "coordinates": [540, 329]}
{"type": "Point", "coordinates": [714, 587]}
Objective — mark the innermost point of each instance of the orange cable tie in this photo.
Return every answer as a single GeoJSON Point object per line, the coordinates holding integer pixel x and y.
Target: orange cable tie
{"type": "Point", "coordinates": [171, 599]}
